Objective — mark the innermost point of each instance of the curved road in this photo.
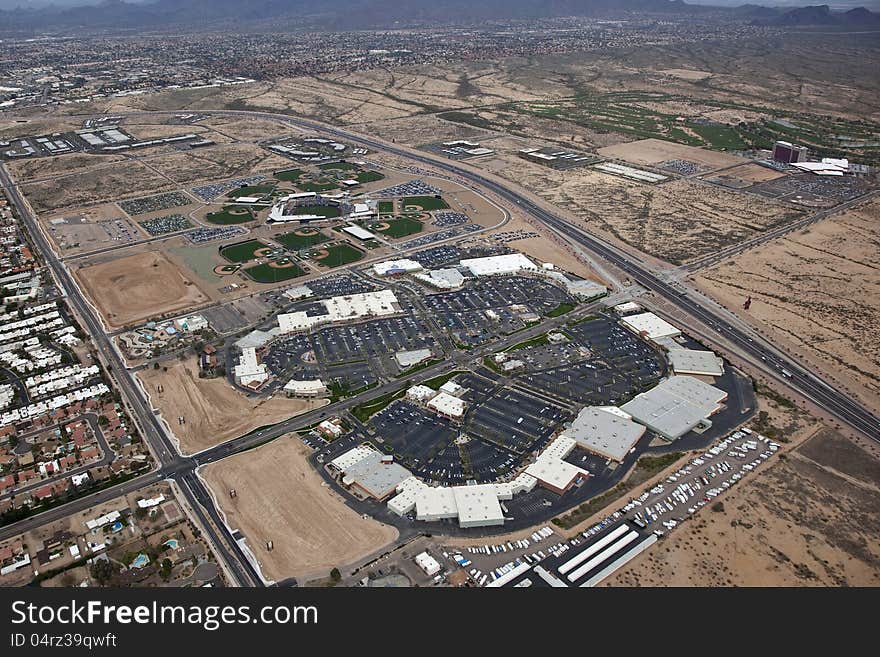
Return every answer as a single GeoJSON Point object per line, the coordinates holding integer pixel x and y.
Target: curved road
{"type": "Point", "coordinates": [182, 469]}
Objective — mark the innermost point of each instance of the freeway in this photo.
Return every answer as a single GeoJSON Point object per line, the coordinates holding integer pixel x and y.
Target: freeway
{"type": "Point", "coordinates": [793, 374]}
{"type": "Point", "coordinates": [150, 425]}
{"type": "Point", "coordinates": [181, 469]}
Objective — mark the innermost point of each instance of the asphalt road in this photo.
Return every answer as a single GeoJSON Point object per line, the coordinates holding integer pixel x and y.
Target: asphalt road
{"type": "Point", "coordinates": [181, 469]}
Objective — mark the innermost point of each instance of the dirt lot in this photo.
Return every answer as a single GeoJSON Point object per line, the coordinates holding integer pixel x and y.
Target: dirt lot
{"type": "Point", "coordinates": [282, 499]}
{"type": "Point", "coordinates": [812, 518]}
{"type": "Point", "coordinates": [674, 221]}
{"type": "Point", "coordinates": [214, 411]}
{"type": "Point", "coordinates": [653, 151]}
{"type": "Point", "coordinates": [137, 287]}
{"type": "Point", "coordinates": [58, 165]}
{"type": "Point", "coordinates": [817, 292]}
{"type": "Point", "coordinates": [95, 186]}
{"type": "Point", "coordinates": [221, 161]}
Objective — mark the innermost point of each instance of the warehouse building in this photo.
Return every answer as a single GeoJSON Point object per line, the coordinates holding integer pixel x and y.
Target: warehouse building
{"type": "Point", "coordinates": [250, 372]}
{"type": "Point", "coordinates": [552, 471]}
{"type": "Point", "coordinates": [448, 406]}
{"type": "Point", "coordinates": [313, 388]}
{"type": "Point", "coordinates": [396, 267]}
{"type": "Point", "coordinates": [650, 326]}
{"type": "Point", "coordinates": [342, 309]}
{"type": "Point", "coordinates": [676, 406]}
{"type": "Point", "coordinates": [499, 265]}
{"type": "Point", "coordinates": [376, 475]}
{"type": "Point", "coordinates": [607, 432]}
{"type": "Point", "coordinates": [696, 362]}
{"type": "Point", "coordinates": [429, 565]}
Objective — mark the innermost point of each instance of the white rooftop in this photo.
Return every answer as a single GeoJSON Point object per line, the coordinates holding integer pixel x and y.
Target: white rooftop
{"type": "Point", "coordinates": [650, 325]}
{"type": "Point", "coordinates": [502, 264]}
{"type": "Point", "coordinates": [695, 361]}
{"type": "Point", "coordinates": [605, 433]}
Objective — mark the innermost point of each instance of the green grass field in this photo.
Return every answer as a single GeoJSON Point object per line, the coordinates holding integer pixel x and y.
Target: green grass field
{"type": "Point", "coordinates": [342, 166]}
{"type": "Point", "coordinates": [231, 214]}
{"type": "Point", "coordinates": [425, 203]}
{"type": "Point", "coordinates": [251, 190]}
{"type": "Point", "coordinates": [386, 207]}
{"type": "Point", "coordinates": [340, 254]}
{"type": "Point", "coordinates": [328, 211]}
{"type": "Point", "coordinates": [368, 176]}
{"type": "Point", "coordinates": [266, 274]}
{"type": "Point", "coordinates": [295, 242]}
{"type": "Point", "coordinates": [310, 186]}
{"type": "Point", "coordinates": [400, 227]}
{"type": "Point", "coordinates": [721, 137]}
{"type": "Point", "coordinates": [291, 175]}
{"type": "Point", "coordinates": [243, 252]}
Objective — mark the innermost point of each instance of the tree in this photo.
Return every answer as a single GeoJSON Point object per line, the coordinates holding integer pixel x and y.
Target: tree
{"type": "Point", "coordinates": [335, 575]}
{"type": "Point", "coordinates": [103, 571]}
{"type": "Point", "coordinates": [165, 570]}
{"type": "Point", "coordinates": [156, 365]}
{"type": "Point", "coordinates": [103, 421]}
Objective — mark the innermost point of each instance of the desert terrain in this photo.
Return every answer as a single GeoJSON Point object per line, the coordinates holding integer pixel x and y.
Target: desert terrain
{"type": "Point", "coordinates": [213, 410]}
{"type": "Point", "coordinates": [95, 185]}
{"type": "Point", "coordinates": [279, 497]}
{"type": "Point", "coordinates": [674, 221]}
{"type": "Point", "coordinates": [655, 151]}
{"type": "Point", "coordinates": [817, 293]}
{"type": "Point", "coordinates": [137, 287]}
{"type": "Point", "coordinates": [809, 518]}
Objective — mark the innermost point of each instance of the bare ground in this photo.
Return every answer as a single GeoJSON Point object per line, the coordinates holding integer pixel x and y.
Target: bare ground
{"type": "Point", "coordinates": [817, 291]}
{"type": "Point", "coordinates": [213, 410]}
{"type": "Point", "coordinates": [282, 499]}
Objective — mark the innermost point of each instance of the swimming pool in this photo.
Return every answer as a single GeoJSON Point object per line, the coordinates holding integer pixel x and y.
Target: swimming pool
{"type": "Point", "coordinates": [140, 561]}
{"type": "Point", "coordinates": [172, 543]}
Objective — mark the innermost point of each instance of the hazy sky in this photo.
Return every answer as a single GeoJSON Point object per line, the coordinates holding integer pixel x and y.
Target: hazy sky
{"type": "Point", "coordinates": [835, 4]}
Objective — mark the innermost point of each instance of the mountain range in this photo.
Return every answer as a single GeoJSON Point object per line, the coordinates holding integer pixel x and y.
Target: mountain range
{"type": "Point", "coordinates": [112, 15]}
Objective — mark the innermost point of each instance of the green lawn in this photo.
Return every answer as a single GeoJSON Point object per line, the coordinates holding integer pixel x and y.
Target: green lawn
{"type": "Point", "coordinates": [721, 137]}
{"type": "Point", "coordinates": [343, 166]}
{"type": "Point", "coordinates": [561, 309]}
{"type": "Point", "coordinates": [310, 186]}
{"type": "Point", "coordinates": [364, 411]}
{"type": "Point", "coordinates": [291, 175]}
{"type": "Point", "coordinates": [296, 242]}
{"type": "Point", "coordinates": [251, 190]}
{"type": "Point", "coordinates": [242, 252]}
{"type": "Point", "coordinates": [386, 207]}
{"type": "Point", "coordinates": [400, 227]}
{"type": "Point", "coordinates": [340, 254]}
{"type": "Point", "coordinates": [368, 176]}
{"type": "Point", "coordinates": [266, 274]}
{"type": "Point", "coordinates": [328, 211]}
{"type": "Point", "coordinates": [231, 214]}
{"type": "Point", "coordinates": [425, 203]}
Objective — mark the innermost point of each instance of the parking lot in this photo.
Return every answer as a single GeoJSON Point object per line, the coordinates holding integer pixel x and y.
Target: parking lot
{"type": "Point", "coordinates": [602, 364]}
{"type": "Point", "coordinates": [810, 188]}
{"type": "Point", "coordinates": [212, 191]}
{"type": "Point", "coordinates": [171, 223]}
{"type": "Point", "coordinates": [202, 235]}
{"type": "Point", "coordinates": [464, 312]}
{"type": "Point", "coordinates": [411, 188]}
{"type": "Point", "coordinates": [435, 449]}
{"type": "Point", "coordinates": [444, 219]}
{"type": "Point", "coordinates": [438, 256]}
{"type": "Point", "coordinates": [596, 552]}
{"type": "Point", "coordinates": [155, 203]}
{"type": "Point", "coordinates": [339, 285]}
{"type": "Point", "coordinates": [515, 420]}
